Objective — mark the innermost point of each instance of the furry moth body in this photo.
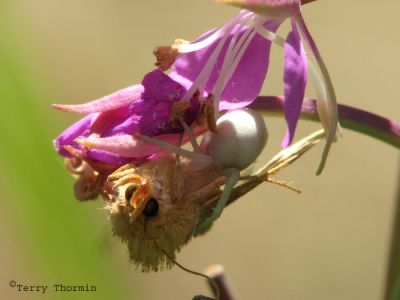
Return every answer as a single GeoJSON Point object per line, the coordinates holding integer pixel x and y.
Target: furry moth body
{"type": "Point", "coordinates": [155, 207]}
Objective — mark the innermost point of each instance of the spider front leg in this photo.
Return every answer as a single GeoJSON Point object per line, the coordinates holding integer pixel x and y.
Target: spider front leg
{"type": "Point", "coordinates": [178, 111]}
{"type": "Point", "coordinates": [198, 157]}
{"type": "Point", "coordinates": [233, 176]}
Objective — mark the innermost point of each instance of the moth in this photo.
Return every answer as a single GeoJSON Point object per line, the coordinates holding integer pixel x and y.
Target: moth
{"type": "Point", "coordinates": [156, 207]}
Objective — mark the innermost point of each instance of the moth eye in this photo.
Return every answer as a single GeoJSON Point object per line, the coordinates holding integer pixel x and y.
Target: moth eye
{"type": "Point", "coordinates": [151, 208]}
{"type": "Point", "coordinates": [130, 191]}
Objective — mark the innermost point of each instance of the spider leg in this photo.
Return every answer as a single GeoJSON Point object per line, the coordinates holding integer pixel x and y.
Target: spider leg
{"type": "Point", "coordinates": [233, 177]}
{"type": "Point", "coordinates": [178, 111]}
{"type": "Point", "coordinates": [198, 157]}
{"type": "Point", "coordinates": [189, 132]}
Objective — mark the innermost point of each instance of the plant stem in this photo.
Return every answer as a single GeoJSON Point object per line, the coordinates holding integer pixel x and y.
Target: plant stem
{"type": "Point", "coordinates": [392, 289]}
{"type": "Point", "coordinates": [217, 273]}
{"type": "Point", "coordinates": [355, 119]}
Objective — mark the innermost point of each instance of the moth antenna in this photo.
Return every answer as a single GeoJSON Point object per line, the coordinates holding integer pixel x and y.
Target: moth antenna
{"type": "Point", "coordinates": [212, 281]}
{"type": "Point", "coordinates": [284, 184]}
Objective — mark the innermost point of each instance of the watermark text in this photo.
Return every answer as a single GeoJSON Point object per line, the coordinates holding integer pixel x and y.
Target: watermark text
{"type": "Point", "coordinates": [56, 287]}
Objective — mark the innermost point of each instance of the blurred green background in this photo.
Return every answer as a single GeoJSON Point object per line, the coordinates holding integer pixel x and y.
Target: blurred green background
{"type": "Point", "coordinates": [331, 242]}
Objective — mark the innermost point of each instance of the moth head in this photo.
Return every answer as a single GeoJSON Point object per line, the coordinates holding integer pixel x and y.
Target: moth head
{"type": "Point", "coordinates": [149, 214]}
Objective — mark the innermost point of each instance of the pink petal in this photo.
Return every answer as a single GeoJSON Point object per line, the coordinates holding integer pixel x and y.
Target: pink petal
{"type": "Point", "coordinates": [68, 136]}
{"type": "Point", "coordinates": [128, 145]}
{"type": "Point", "coordinates": [246, 82]}
{"type": "Point", "coordinates": [330, 106]}
{"type": "Point", "coordinates": [108, 120]}
{"type": "Point", "coordinates": [295, 80]}
{"type": "Point", "coordinates": [159, 86]}
{"type": "Point", "coordinates": [107, 158]}
{"type": "Point", "coordinates": [113, 101]}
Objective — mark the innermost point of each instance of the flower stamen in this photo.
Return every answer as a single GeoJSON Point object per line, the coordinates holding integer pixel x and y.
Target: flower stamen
{"type": "Point", "coordinates": [326, 99]}
{"type": "Point", "coordinates": [196, 46]}
{"type": "Point", "coordinates": [203, 77]}
{"type": "Point", "coordinates": [207, 113]}
{"type": "Point", "coordinates": [268, 35]}
{"type": "Point", "coordinates": [178, 110]}
{"type": "Point", "coordinates": [238, 52]}
{"type": "Point", "coordinates": [166, 55]}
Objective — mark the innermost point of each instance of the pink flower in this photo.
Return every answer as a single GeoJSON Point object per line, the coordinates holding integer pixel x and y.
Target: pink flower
{"type": "Point", "coordinates": [227, 65]}
{"type": "Point", "coordinates": [107, 133]}
{"type": "Point", "coordinates": [296, 65]}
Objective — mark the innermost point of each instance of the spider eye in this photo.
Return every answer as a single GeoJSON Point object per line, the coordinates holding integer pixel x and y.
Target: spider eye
{"type": "Point", "coordinates": [130, 191]}
{"type": "Point", "coordinates": [151, 208]}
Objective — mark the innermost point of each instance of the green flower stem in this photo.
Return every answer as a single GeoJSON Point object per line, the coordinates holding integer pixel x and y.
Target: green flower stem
{"type": "Point", "coordinates": [355, 119]}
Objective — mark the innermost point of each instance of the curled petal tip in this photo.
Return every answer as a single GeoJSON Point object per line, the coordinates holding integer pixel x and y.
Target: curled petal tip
{"type": "Point", "coordinates": [70, 108]}
{"type": "Point", "coordinates": [322, 164]}
{"type": "Point", "coordinates": [330, 138]}
{"type": "Point", "coordinates": [279, 9]}
{"type": "Point", "coordinates": [84, 142]}
{"type": "Point", "coordinates": [61, 107]}
{"type": "Point", "coordinates": [306, 1]}
{"type": "Point", "coordinates": [73, 151]}
{"type": "Point", "coordinates": [115, 100]}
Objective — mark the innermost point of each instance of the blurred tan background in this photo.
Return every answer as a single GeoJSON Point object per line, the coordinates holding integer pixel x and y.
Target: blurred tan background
{"type": "Point", "coordinates": [329, 243]}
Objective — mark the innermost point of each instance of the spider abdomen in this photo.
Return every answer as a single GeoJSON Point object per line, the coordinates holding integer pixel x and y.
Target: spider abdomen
{"type": "Point", "coordinates": [242, 135]}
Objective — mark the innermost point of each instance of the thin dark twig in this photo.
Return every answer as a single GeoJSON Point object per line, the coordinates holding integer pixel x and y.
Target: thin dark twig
{"type": "Point", "coordinates": [201, 297]}
{"type": "Point", "coordinates": [210, 280]}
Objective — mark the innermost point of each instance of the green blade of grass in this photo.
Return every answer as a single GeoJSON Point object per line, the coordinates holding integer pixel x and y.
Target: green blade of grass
{"type": "Point", "coordinates": [59, 236]}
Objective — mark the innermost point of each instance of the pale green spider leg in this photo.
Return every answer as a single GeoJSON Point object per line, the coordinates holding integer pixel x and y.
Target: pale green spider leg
{"type": "Point", "coordinates": [233, 176]}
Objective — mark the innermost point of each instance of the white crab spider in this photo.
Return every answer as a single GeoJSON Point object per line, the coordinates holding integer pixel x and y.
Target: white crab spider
{"type": "Point", "coordinates": [155, 207]}
{"type": "Point", "coordinates": [240, 138]}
